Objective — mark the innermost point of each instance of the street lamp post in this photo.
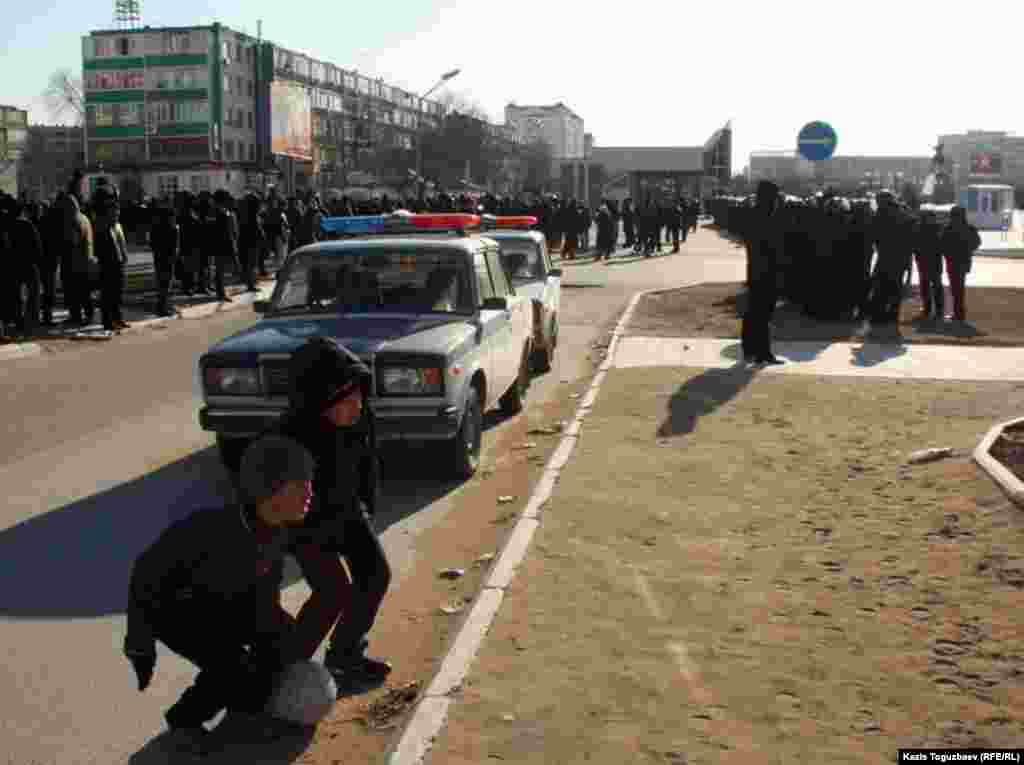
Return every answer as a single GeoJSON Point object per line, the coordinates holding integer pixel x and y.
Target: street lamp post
{"type": "Point", "coordinates": [419, 127]}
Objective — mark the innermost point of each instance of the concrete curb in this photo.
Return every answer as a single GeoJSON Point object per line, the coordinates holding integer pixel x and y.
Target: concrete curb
{"type": "Point", "coordinates": [1007, 481]}
{"type": "Point", "coordinates": [242, 300]}
{"type": "Point", "coordinates": [19, 351]}
{"type": "Point", "coordinates": [431, 712]}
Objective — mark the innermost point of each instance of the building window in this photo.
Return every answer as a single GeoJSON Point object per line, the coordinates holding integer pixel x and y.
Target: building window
{"type": "Point", "coordinates": [227, 85]}
{"type": "Point", "coordinates": [239, 90]}
{"type": "Point", "coordinates": [249, 88]}
{"type": "Point", "coordinates": [226, 51]}
{"type": "Point", "coordinates": [252, 152]}
{"type": "Point", "coordinates": [250, 121]}
{"type": "Point", "coordinates": [229, 149]}
{"type": "Point", "coordinates": [199, 183]}
{"type": "Point", "coordinates": [177, 42]}
{"type": "Point", "coordinates": [124, 46]}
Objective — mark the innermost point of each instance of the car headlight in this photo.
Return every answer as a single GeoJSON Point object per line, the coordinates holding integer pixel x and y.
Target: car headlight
{"type": "Point", "coordinates": [410, 381]}
{"type": "Point", "coordinates": [236, 382]}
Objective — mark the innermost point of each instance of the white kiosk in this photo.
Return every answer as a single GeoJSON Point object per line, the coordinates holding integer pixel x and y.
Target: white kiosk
{"type": "Point", "coordinates": [987, 204]}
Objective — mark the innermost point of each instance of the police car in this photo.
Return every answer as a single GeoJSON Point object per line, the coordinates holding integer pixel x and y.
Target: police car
{"type": "Point", "coordinates": [528, 263]}
{"type": "Point", "coordinates": [422, 299]}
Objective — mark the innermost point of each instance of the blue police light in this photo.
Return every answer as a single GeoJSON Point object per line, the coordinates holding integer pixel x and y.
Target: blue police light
{"type": "Point", "coordinates": [355, 225]}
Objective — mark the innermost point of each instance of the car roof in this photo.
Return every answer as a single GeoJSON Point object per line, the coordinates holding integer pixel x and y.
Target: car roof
{"type": "Point", "coordinates": [465, 244]}
{"type": "Point", "coordinates": [515, 234]}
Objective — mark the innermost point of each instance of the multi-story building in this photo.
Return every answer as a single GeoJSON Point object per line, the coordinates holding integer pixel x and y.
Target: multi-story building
{"type": "Point", "coordinates": [13, 135]}
{"type": "Point", "coordinates": [984, 156]}
{"type": "Point", "coordinates": [207, 107]}
{"type": "Point", "coordinates": [52, 153]}
{"type": "Point", "coordinates": [788, 168]}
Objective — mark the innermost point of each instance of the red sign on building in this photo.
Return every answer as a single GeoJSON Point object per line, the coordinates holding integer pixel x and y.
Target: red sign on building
{"type": "Point", "coordinates": [986, 163]}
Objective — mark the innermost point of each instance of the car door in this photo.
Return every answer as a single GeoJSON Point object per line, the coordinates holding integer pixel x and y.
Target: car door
{"type": "Point", "coordinates": [491, 323]}
{"type": "Point", "coordinates": [552, 290]}
{"type": "Point", "coordinates": [518, 320]}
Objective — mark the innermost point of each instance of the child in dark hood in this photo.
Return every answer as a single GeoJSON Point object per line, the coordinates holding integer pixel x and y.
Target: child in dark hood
{"type": "Point", "coordinates": [329, 414]}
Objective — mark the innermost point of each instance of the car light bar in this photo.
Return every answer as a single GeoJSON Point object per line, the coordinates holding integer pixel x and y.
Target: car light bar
{"type": "Point", "coordinates": [355, 225]}
{"type": "Point", "coordinates": [399, 223]}
{"type": "Point", "coordinates": [508, 221]}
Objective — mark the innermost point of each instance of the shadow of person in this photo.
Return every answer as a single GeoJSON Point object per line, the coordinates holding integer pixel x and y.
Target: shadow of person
{"type": "Point", "coordinates": [702, 394]}
{"type": "Point", "coordinates": [956, 329]}
{"type": "Point", "coordinates": [882, 342]}
{"type": "Point", "coordinates": [75, 561]}
{"type": "Point", "coordinates": [250, 739]}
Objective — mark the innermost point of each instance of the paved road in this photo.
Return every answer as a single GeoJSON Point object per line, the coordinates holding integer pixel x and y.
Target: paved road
{"type": "Point", "coordinates": [103, 451]}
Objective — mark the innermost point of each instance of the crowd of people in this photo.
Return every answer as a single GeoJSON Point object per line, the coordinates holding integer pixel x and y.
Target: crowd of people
{"type": "Point", "coordinates": [842, 259]}
{"type": "Point", "coordinates": [201, 241]}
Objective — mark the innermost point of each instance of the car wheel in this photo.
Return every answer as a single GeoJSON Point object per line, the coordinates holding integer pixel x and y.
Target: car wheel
{"type": "Point", "coordinates": [231, 451]}
{"type": "Point", "coordinates": [514, 400]}
{"type": "Point", "coordinates": [466, 446]}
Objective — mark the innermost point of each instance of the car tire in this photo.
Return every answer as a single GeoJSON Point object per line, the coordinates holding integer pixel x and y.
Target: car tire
{"type": "Point", "coordinates": [514, 400]}
{"type": "Point", "coordinates": [544, 356]}
{"type": "Point", "coordinates": [466, 444]}
{"type": "Point", "coordinates": [231, 451]}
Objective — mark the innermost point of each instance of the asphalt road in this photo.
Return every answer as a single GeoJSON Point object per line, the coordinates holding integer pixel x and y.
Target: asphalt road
{"type": "Point", "coordinates": [103, 451]}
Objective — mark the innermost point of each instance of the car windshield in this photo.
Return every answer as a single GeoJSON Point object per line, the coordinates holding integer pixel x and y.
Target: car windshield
{"type": "Point", "coordinates": [406, 281]}
{"type": "Point", "coordinates": [522, 261]}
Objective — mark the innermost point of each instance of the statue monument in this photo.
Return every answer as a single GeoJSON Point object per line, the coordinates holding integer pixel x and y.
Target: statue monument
{"type": "Point", "coordinates": [940, 183]}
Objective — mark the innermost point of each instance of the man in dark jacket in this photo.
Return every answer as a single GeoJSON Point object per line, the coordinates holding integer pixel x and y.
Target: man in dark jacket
{"type": "Point", "coordinates": [209, 590]}
{"type": "Point", "coordinates": [23, 257]}
{"type": "Point", "coordinates": [329, 414]}
{"type": "Point", "coordinates": [764, 239]}
{"type": "Point", "coordinates": [112, 254]}
{"type": "Point", "coordinates": [165, 241]}
{"type": "Point", "coordinates": [928, 256]}
{"type": "Point", "coordinates": [959, 242]}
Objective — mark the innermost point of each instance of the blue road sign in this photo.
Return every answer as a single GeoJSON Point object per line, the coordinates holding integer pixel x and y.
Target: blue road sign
{"type": "Point", "coordinates": [817, 141]}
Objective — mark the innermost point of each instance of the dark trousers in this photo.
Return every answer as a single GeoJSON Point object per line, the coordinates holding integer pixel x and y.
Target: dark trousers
{"type": "Point", "coordinates": [185, 271]}
{"type": "Point", "coordinates": [163, 265]}
{"type": "Point", "coordinates": [756, 333]}
{"type": "Point", "coordinates": [956, 270]}
{"type": "Point", "coordinates": [929, 274]}
{"type": "Point", "coordinates": [111, 293]}
{"type": "Point", "coordinates": [48, 285]}
{"type": "Point", "coordinates": [353, 537]}
{"type": "Point", "coordinates": [76, 281]}
{"type": "Point", "coordinates": [218, 266]}
{"type": "Point", "coordinates": [21, 299]}
{"type": "Point", "coordinates": [249, 258]}
{"type": "Point", "coordinates": [237, 670]}
{"type": "Point", "coordinates": [886, 296]}
{"type": "Point", "coordinates": [675, 239]}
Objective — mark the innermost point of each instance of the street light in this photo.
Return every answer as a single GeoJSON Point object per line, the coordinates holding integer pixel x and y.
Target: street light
{"type": "Point", "coordinates": [419, 125]}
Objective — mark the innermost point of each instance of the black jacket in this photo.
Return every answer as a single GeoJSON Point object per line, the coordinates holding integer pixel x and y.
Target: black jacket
{"type": "Point", "coordinates": [347, 476]}
{"type": "Point", "coordinates": [223, 566]}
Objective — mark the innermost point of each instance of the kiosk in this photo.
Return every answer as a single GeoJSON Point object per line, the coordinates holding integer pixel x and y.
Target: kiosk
{"type": "Point", "coordinates": [987, 204]}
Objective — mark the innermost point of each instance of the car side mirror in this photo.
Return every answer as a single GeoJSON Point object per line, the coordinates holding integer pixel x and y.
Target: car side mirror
{"type": "Point", "coordinates": [261, 306]}
{"type": "Point", "coordinates": [555, 272]}
{"type": "Point", "coordinates": [495, 304]}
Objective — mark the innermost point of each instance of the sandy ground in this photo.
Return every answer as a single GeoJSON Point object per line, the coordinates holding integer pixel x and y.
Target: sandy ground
{"type": "Point", "coordinates": [745, 569]}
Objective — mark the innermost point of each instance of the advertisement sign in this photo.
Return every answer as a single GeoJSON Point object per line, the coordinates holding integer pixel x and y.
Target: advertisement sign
{"type": "Point", "coordinates": [291, 131]}
{"type": "Point", "coordinates": [986, 163]}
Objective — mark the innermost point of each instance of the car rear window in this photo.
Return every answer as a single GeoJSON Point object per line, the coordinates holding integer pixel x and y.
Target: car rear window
{"type": "Point", "coordinates": [522, 261]}
{"type": "Point", "coordinates": [399, 280]}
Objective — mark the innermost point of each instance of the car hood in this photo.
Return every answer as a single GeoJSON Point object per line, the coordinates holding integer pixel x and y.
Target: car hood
{"type": "Point", "coordinates": [364, 335]}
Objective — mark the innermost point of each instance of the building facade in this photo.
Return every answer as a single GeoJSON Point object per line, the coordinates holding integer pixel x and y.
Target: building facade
{"type": "Point", "coordinates": [557, 125]}
{"type": "Point", "coordinates": [787, 168]}
{"type": "Point", "coordinates": [206, 107]}
{"type": "Point", "coordinates": [984, 156]}
{"type": "Point", "coordinates": [52, 153]}
{"type": "Point", "coordinates": [13, 137]}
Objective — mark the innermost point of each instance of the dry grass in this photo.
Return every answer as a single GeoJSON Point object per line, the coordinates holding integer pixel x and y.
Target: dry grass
{"type": "Point", "coordinates": [743, 569]}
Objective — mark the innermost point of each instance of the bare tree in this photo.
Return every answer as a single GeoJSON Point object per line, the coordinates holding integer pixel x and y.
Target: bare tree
{"type": "Point", "coordinates": [460, 103]}
{"type": "Point", "coordinates": [64, 96]}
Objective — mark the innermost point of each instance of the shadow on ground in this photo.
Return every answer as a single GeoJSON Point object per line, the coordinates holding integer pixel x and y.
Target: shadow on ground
{"type": "Point", "coordinates": [703, 394]}
{"type": "Point", "coordinates": [75, 561]}
{"type": "Point", "coordinates": [249, 740]}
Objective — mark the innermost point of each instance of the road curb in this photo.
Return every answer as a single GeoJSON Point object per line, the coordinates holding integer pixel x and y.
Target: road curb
{"type": "Point", "coordinates": [19, 351]}
{"type": "Point", "coordinates": [431, 711]}
{"type": "Point", "coordinates": [997, 471]}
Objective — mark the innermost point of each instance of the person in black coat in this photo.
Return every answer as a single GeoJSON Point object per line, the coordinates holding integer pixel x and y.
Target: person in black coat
{"type": "Point", "coordinates": [764, 240]}
{"type": "Point", "coordinates": [928, 256]}
{"type": "Point", "coordinates": [165, 241]}
{"type": "Point", "coordinates": [329, 413]}
{"type": "Point", "coordinates": [209, 589]}
{"type": "Point", "coordinates": [959, 242]}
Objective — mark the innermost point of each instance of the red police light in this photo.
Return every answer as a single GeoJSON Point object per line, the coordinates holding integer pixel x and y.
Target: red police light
{"type": "Point", "coordinates": [510, 221]}
{"type": "Point", "coordinates": [442, 221]}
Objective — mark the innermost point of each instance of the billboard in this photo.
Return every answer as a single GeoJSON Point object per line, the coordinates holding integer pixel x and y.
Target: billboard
{"type": "Point", "coordinates": [291, 130]}
{"type": "Point", "coordinates": [986, 163]}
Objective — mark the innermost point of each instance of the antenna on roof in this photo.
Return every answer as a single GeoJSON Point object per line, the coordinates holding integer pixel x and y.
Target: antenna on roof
{"type": "Point", "coordinates": [128, 14]}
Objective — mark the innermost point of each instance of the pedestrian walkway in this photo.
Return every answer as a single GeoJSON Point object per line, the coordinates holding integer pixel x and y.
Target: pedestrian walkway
{"type": "Point", "coordinates": [871, 358]}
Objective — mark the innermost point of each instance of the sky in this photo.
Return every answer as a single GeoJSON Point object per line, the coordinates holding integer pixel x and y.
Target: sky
{"type": "Point", "coordinates": [888, 76]}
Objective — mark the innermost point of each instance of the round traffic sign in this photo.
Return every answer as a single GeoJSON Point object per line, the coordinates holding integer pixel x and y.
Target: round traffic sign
{"type": "Point", "coordinates": [816, 141]}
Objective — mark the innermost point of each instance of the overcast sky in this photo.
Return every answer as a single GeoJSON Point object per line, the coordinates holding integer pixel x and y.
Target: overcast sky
{"type": "Point", "coordinates": [889, 76]}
